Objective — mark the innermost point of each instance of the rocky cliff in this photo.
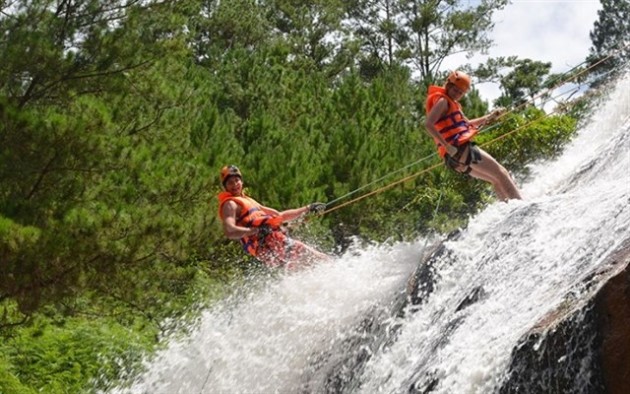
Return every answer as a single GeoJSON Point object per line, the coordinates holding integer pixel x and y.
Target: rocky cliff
{"type": "Point", "coordinates": [584, 345]}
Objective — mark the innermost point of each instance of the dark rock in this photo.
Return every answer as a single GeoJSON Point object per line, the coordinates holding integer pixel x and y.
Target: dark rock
{"type": "Point", "coordinates": [422, 282]}
{"type": "Point", "coordinates": [426, 388]}
{"type": "Point", "coordinates": [584, 345]}
{"type": "Point", "coordinates": [475, 295]}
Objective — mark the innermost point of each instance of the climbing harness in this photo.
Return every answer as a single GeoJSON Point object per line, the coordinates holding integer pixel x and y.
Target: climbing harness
{"type": "Point", "coordinates": [472, 156]}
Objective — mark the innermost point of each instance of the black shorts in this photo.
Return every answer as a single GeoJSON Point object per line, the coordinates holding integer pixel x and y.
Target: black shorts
{"type": "Point", "coordinates": [455, 162]}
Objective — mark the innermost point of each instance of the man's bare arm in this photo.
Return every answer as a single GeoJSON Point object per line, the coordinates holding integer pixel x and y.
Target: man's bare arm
{"type": "Point", "coordinates": [230, 228]}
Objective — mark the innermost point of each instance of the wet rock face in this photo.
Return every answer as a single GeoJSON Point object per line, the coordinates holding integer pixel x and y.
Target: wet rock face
{"type": "Point", "coordinates": [560, 359]}
{"type": "Point", "coordinates": [422, 282]}
{"type": "Point", "coordinates": [613, 305]}
{"type": "Point", "coordinates": [583, 346]}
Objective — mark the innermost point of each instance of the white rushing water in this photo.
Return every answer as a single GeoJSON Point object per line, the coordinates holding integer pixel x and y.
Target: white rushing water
{"type": "Point", "coordinates": [524, 255]}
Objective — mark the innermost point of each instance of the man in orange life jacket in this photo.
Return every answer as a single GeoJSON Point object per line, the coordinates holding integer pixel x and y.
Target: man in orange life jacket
{"type": "Point", "coordinates": [258, 227]}
{"type": "Point", "coordinates": [453, 134]}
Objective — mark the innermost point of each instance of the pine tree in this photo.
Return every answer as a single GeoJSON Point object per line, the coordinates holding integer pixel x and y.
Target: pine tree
{"type": "Point", "coordinates": [523, 82]}
{"type": "Point", "coordinates": [101, 184]}
{"type": "Point", "coordinates": [611, 36]}
{"type": "Point", "coordinates": [420, 34]}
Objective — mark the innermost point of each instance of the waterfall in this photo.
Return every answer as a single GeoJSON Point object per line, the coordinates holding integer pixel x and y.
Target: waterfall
{"type": "Point", "coordinates": [336, 327]}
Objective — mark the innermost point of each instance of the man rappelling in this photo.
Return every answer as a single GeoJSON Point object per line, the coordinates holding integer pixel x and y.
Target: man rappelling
{"type": "Point", "coordinates": [258, 228]}
{"type": "Point", "coordinates": [453, 134]}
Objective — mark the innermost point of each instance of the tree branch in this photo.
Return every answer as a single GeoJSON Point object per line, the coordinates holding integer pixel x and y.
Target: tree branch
{"type": "Point", "coordinates": [41, 176]}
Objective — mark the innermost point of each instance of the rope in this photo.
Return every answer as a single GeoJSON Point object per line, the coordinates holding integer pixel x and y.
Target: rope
{"type": "Point", "coordinates": [205, 381]}
{"type": "Point", "coordinates": [412, 176]}
{"type": "Point", "coordinates": [435, 212]}
{"type": "Point", "coordinates": [379, 179]}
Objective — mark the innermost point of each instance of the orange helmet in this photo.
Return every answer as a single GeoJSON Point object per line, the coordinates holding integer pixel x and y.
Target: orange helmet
{"type": "Point", "coordinates": [459, 79]}
{"type": "Point", "coordinates": [229, 171]}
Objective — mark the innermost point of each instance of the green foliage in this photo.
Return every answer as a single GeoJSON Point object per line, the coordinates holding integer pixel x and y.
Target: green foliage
{"type": "Point", "coordinates": [106, 174]}
{"type": "Point", "coordinates": [523, 82]}
{"type": "Point", "coordinates": [61, 356]}
{"type": "Point", "coordinates": [9, 382]}
{"type": "Point", "coordinates": [94, 343]}
{"type": "Point", "coordinates": [307, 27]}
{"type": "Point", "coordinates": [537, 136]}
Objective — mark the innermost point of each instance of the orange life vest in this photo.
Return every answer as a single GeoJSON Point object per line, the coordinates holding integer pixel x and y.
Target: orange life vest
{"type": "Point", "coordinates": [251, 215]}
{"type": "Point", "coordinates": [275, 248]}
{"type": "Point", "coordinates": [453, 126]}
